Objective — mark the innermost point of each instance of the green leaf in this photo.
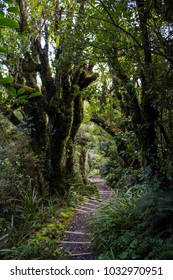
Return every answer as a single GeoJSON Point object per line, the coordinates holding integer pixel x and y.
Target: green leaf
{"type": "Point", "coordinates": [57, 41]}
{"type": "Point", "coordinates": [8, 22]}
{"type": "Point", "coordinates": [134, 243]}
{"type": "Point", "coordinates": [3, 50]}
{"type": "Point", "coordinates": [6, 81]}
{"type": "Point", "coordinates": [22, 101]}
{"type": "Point", "coordinates": [66, 215]}
{"type": "Point", "coordinates": [39, 10]}
{"type": "Point", "coordinates": [12, 90]}
{"type": "Point", "coordinates": [35, 94]}
{"type": "Point", "coordinates": [21, 91]}
{"type": "Point", "coordinates": [1, 14]}
{"type": "Point", "coordinates": [124, 255]}
{"type": "Point", "coordinates": [13, 10]}
{"type": "Point", "coordinates": [22, 97]}
{"type": "Point", "coordinates": [8, 1]}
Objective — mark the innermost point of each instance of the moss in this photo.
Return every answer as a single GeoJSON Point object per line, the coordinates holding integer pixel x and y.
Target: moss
{"type": "Point", "coordinates": [66, 215]}
{"type": "Point", "coordinates": [77, 120]}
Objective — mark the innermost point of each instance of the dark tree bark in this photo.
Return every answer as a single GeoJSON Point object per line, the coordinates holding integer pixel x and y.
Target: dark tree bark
{"type": "Point", "coordinates": [55, 117]}
{"type": "Point", "coordinates": [70, 151]}
{"type": "Point", "coordinates": [84, 77]}
{"type": "Point", "coordinates": [83, 158]}
{"type": "Point", "coordinates": [149, 113]}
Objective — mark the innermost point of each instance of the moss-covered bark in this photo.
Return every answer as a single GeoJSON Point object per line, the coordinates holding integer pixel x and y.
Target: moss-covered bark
{"type": "Point", "coordinates": [149, 112]}
{"type": "Point", "coordinates": [70, 149]}
{"type": "Point", "coordinates": [60, 123]}
{"type": "Point", "coordinates": [84, 76]}
{"type": "Point", "coordinates": [82, 161]}
{"type": "Point", "coordinates": [54, 118]}
{"type": "Point", "coordinates": [36, 121]}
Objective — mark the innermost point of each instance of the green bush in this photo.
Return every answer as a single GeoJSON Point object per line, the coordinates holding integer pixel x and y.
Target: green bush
{"type": "Point", "coordinates": [39, 237]}
{"type": "Point", "coordinates": [22, 188]}
{"type": "Point", "coordinates": [136, 224]}
{"type": "Point", "coordinates": [33, 249]}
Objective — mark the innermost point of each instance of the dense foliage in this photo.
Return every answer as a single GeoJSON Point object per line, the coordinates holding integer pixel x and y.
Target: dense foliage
{"type": "Point", "coordinates": [136, 224]}
{"type": "Point", "coordinates": [86, 86]}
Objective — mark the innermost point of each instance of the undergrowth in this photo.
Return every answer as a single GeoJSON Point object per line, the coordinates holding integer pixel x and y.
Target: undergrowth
{"type": "Point", "coordinates": [38, 236]}
{"type": "Point", "coordinates": [31, 221]}
{"type": "Point", "coordinates": [136, 224]}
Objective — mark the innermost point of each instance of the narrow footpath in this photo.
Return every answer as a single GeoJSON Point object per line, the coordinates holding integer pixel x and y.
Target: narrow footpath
{"type": "Point", "coordinates": [77, 240]}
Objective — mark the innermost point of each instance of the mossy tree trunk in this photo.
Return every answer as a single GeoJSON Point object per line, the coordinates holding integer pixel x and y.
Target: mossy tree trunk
{"type": "Point", "coordinates": [60, 122]}
{"type": "Point", "coordinates": [55, 117]}
{"type": "Point", "coordinates": [85, 78]}
{"type": "Point", "coordinates": [149, 112]}
{"type": "Point", "coordinates": [70, 149]}
{"type": "Point", "coordinates": [144, 115]}
{"type": "Point", "coordinates": [83, 158]}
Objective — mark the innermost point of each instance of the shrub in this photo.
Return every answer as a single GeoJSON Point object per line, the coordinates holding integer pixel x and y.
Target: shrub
{"type": "Point", "coordinates": [22, 188]}
{"type": "Point", "coordinates": [136, 224]}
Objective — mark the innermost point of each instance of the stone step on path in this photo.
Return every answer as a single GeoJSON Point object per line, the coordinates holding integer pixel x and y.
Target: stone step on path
{"type": "Point", "coordinates": [86, 208]}
{"type": "Point", "coordinates": [91, 204]}
{"type": "Point", "coordinates": [82, 256]}
{"type": "Point", "coordinates": [76, 246]}
{"type": "Point", "coordinates": [76, 242]}
{"type": "Point", "coordinates": [77, 235]}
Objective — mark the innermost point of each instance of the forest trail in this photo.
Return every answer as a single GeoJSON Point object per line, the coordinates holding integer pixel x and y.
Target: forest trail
{"type": "Point", "coordinates": [77, 240]}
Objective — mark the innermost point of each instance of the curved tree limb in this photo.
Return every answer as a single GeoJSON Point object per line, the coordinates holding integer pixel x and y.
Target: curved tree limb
{"type": "Point", "coordinates": [100, 122]}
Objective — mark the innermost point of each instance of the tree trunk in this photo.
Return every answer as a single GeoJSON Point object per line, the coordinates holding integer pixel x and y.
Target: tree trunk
{"type": "Point", "coordinates": [149, 113]}
{"type": "Point", "coordinates": [36, 121]}
{"type": "Point", "coordinates": [55, 117]}
{"type": "Point", "coordinates": [70, 150]}
{"type": "Point", "coordinates": [82, 162]}
{"type": "Point", "coordinates": [60, 123]}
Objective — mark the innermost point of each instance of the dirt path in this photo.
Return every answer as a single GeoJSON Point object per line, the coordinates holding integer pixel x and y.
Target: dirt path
{"type": "Point", "coordinates": [77, 240]}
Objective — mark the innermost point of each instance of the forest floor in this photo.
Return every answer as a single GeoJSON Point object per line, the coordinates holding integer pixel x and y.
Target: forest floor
{"type": "Point", "coordinates": [76, 242]}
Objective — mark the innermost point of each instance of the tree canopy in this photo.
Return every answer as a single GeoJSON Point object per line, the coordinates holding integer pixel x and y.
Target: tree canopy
{"type": "Point", "coordinates": [72, 69]}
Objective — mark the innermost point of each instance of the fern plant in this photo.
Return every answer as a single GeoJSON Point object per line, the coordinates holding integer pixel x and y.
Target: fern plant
{"type": "Point", "coordinates": [157, 208]}
{"type": "Point", "coordinates": [137, 224]}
